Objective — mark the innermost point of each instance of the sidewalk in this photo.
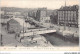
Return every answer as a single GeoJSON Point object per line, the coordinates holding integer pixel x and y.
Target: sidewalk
{"type": "Point", "coordinates": [9, 39]}
{"type": "Point", "coordinates": [73, 30]}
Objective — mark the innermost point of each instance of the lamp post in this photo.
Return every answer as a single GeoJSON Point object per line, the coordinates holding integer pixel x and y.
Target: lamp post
{"type": "Point", "coordinates": [23, 30]}
{"type": "Point", "coordinates": [23, 33]}
{"type": "Point", "coordinates": [64, 21]}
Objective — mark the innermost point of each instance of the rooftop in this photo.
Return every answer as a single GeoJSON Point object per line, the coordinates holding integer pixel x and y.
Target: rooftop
{"type": "Point", "coordinates": [69, 8]}
{"type": "Point", "coordinates": [20, 21]}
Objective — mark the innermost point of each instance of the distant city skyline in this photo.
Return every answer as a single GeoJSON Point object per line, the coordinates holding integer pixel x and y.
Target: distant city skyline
{"type": "Point", "coordinates": [50, 4]}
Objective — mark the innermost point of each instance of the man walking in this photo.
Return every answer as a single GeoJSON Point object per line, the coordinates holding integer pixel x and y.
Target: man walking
{"type": "Point", "coordinates": [1, 40]}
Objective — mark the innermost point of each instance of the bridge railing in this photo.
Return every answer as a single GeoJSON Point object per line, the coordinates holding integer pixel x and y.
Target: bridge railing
{"type": "Point", "coordinates": [37, 32]}
{"type": "Point", "coordinates": [32, 30]}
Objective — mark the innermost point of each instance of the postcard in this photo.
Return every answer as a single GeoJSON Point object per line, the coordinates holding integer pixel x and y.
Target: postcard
{"type": "Point", "coordinates": [39, 25]}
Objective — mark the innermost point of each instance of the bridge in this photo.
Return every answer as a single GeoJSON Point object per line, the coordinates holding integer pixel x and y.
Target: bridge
{"type": "Point", "coordinates": [37, 31]}
{"type": "Point", "coordinates": [32, 32]}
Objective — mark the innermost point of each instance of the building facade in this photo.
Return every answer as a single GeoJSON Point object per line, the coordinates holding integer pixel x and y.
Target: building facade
{"type": "Point", "coordinates": [13, 26]}
{"type": "Point", "coordinates": [41, 12]}
{"type": "Point", "coordinates": [68, 15]}
{"type": "Point", "coordinates": [9, 14]}
{"type": "Point", "coordinates": [45, 20]}
{"type": "Point", "coordinates": [41, 15]}
{"type": "Point", "coordinates": [32, 14]}
{"type": "Point", "coordinates": [54, 17]}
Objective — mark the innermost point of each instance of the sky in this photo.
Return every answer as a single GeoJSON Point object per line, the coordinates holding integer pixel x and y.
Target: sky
{"type": "Point", "coordinates": [50, 4]}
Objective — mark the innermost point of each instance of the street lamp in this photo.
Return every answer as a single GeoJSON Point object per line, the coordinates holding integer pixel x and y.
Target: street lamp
{"type": "Point", "coordinates": [23, 33]}
{"type": "Point", "coordinates": [23, 30]}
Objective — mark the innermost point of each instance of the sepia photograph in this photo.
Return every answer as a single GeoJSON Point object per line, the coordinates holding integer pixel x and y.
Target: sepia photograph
{"type": "Point", "coordinates": [39, 23]}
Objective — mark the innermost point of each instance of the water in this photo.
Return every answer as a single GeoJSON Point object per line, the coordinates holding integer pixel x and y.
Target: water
{"type": "Point", "coordinates": [58, 40]}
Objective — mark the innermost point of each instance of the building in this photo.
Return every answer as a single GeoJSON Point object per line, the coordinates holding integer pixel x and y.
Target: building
{"type": "Point", "coordinates": [45, 20]}
{"type": "Point", "coordinates": [32, 14]}
{"type": "Point", "coordinates": [9, 14]}
{"type": "Point", "coordinates": [13, 26]}
{"type": "Point", "coordinates": [2, 12]}
{"type": "Point", "coordinates": [41, 12]}
{"type": "Point", "coordinates": [17, 24]}
{"type": "Point", "coordinates": [41, 15]}
{"type": "Point", "coordinates": [49, 12]}
{"type": "Point", "coordinates": [18, 16]}
{"type": "Point", "coordinates": [68, 15]}
{"type": "Point", "coordinates": [6, 16]}
{"type": "Point", "coordinates": [54, 17]}
{"type": "Point", "coordinates": [5, 20]}
{"type": "Point", "coordinates": [25, 15]}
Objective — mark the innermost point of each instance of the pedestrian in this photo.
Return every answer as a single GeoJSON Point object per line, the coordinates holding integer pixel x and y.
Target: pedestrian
{"type": "Point", "coordinates": [20, 39]}
{"type": "Point", "coordinates": [46, 41]}
{"type": "Point", "coordinates": [5, 28]}
{"type": "Point", "coordinates": [1, 40]}
{"type": "Point", "coordinates": [32, 38]}
{"type": "Point", "coordinates": [15, 45]}
{"type": "Point", "coordinates": [76, 31]}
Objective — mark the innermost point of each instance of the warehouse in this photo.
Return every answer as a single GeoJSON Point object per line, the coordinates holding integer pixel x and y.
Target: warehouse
{"type": "Point", "coordinates": [16, 25]}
